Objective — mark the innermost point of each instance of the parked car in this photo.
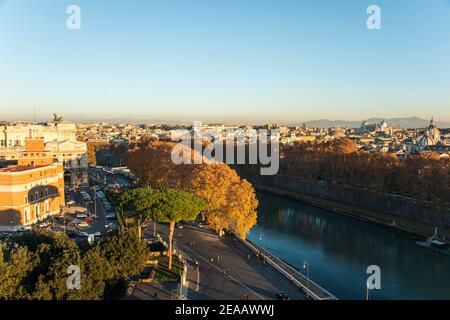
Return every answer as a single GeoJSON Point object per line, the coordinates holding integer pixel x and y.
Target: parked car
{"type": "Point", "coordinates": [82, 215]}
{"type": "Point", "coordinates": [70, 202]}
{"type": "Point", "coordinates": [179, 226]}
{"type": "Point", "coordinates": [83, 224]}
{"type": "Point", "coordinates": [111, 216]}
{"type": "Point", "coordinates": [83, 234]}
{"type": "Point", "coordinates": [89, 220]}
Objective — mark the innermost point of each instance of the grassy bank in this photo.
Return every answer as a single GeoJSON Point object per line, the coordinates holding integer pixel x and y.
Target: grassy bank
{"type": "Point", "coordinates": [371, 216]}
{"type": "Point", "coordinates": [163, 273]}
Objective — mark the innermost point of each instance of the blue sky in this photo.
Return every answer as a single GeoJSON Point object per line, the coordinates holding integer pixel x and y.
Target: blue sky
{"type": "Point", "coordinates": [225, 60]}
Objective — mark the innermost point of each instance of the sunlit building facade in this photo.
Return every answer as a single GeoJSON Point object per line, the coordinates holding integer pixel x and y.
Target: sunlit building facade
{"type": "Point", "coordinates": [59, 137]}
{"type": "Point", "coordinates": [31, 187]}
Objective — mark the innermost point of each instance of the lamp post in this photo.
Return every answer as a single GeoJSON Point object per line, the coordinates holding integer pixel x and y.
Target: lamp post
{"type": "Point", "coordinates": [261, 238]}
{"type": "Point", "coordinates": [306, 267]}
{"type": "Point", "coordinates": [197, 267]}
{"type": "Point", "coordinates": [180, 257]}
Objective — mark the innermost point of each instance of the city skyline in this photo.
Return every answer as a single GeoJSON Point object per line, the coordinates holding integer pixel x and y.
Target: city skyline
{"type": "Point", "coordinates": [225, 62]}
{"type": "Point", "coordinates": [407, 122]}
{"type": "Point", "coordinates": [210, 157]}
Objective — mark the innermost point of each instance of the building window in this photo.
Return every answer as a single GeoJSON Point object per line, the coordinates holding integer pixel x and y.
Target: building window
{"type": "Point", "coordinates": [36, 195]}
{"type": "Point", "coordinates": [26, 215]}
{"type": "Point", "coordinates": [26, 199]}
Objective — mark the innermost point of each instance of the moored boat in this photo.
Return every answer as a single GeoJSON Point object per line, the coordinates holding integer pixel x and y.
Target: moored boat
{"type": "Point", "coordinates": [434, 244]}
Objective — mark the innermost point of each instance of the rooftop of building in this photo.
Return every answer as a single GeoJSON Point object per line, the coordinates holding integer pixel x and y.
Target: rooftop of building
{"type": "Point", "coordinates": [19, 168]}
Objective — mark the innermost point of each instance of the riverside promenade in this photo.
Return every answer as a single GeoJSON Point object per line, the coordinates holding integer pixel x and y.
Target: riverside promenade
{"type": "Point", "coordinates": [228, 268]}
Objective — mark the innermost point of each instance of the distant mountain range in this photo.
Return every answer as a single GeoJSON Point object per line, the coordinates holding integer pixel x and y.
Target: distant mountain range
{"type": "Point", "coordinates": [413, 122]}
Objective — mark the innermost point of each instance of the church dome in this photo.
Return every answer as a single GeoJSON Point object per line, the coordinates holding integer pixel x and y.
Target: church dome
{"type": "Point", "coordinates": [338, 133]}
{"type": "Point", "coordinates": [426, 141]}
{"type": "Point", "coordinates": [433, 131]}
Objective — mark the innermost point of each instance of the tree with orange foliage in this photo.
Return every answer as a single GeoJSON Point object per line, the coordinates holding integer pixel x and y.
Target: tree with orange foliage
{"type": "Point", "coordinates": [230, 202]}
{"type": "Point", "coordinates": [153, 165]}
{"type": "Point", "coordinates": [92, 160]}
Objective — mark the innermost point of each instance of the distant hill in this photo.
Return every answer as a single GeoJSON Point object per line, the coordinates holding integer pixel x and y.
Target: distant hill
{"type": "Point", "coordinates": [413, 122]}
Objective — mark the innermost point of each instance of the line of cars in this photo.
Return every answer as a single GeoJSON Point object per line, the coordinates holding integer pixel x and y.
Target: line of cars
{"type": "Point", "coordinates": [77, 227]}
{"type": "Point", "coordinates": [110, 213]}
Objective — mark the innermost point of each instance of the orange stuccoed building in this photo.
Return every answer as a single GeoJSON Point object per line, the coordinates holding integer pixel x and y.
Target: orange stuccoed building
{"type": "Point", "coordinates": [31, 188]}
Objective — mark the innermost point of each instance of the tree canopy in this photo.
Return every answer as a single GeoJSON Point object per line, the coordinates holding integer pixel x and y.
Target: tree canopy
{"type": "Point", "coordinates": [230, 201]}
{"type": "Point", "coordinates": [34, 265]}
{"type": "Point", "coordinates": [163, 205]}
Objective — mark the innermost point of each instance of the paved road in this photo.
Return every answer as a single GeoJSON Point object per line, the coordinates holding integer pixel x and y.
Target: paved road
{"type": "Point", "coordinates": [100, 222]}
{"type": "Point", "coordinates": [214, 255]}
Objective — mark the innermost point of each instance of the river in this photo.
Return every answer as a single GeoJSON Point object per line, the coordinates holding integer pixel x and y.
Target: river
{"type": "Point", "coordinates": [339, 249]}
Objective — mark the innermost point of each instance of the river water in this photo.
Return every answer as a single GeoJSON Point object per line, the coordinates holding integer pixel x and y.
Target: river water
{"type": "Point", "coordinates": [339, 249]}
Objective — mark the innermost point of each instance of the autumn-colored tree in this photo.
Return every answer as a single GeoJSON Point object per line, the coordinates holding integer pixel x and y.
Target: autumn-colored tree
{"type": "Point", "coordinates": [152, 164]}
{"type": "Point", "coordinates": [230, 201]}
{"type": "Point", "coordinates": [216, 183]}
{"type": "Point", "coordinates": [425, 176]}
{"type": "Point", "coordinates": [92, 160]}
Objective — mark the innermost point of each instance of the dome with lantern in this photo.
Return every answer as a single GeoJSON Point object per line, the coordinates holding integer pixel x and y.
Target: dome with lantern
{"type": "Point", "coordinates": [426, 141]}
{"type": "Point", "coordinates": [431, 137]}
{"type": "Point", "coordinates": [433, 131]}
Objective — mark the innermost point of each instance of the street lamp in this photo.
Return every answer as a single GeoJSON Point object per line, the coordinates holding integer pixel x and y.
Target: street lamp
{"type": "Point", "coordinates": [306, 267]}
{"type": "Point", "coordinates": [197, 267]}
{"type": "Point", "coordinates": [261, 238]}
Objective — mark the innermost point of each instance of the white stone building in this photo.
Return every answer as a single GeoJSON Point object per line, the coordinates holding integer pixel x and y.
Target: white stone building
{"type": "Point", "coordinates": [59, 138]}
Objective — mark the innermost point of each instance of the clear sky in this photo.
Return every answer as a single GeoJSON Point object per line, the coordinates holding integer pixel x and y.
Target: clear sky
{"type": "Point", "coordinates": [225, 60]}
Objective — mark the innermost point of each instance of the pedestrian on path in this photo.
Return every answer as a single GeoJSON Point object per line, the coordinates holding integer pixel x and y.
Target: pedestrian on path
{"type": "Point", "coordinates": [218, 259]}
